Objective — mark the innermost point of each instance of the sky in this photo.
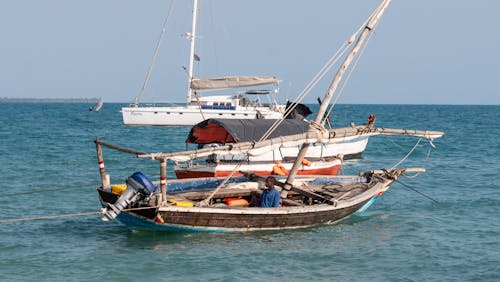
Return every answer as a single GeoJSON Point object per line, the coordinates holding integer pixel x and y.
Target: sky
{"type": "Point", "coordinates": [423, 52]}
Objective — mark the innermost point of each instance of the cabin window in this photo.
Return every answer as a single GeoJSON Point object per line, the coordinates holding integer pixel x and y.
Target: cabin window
{"type": "Point", "coordinates": [156, 113]}
{"type": "Point", "coordinates": [168, 113]}
{"type": "Point", "coordinates": [180, 113]}
{"type": "Point", "coordinates": [220, 114]}
{"type": "Point", "coordinates": [246, 114]}
{"type": "Point", "coordinates": [233, 114]}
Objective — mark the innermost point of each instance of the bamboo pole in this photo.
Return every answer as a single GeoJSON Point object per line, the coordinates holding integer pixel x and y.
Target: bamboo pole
{"type": "Point", "coordinates": [163, 180]}
{"type": "Point", "coordinates": [310, 136]}
{"type": "Point", "coordinates": [102, 169]}
{"type": "Point", "coordinates": [338, 77]}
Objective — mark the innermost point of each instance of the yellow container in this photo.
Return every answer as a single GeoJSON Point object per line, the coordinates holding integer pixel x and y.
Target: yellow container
{"type": "Point", "coordinates": [118, 189]}
{"type": "Point", "coordinates": [185, 204]}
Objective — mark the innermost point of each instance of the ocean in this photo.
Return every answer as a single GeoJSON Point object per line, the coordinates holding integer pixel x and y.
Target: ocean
{"type": "Point", "coordinates": [446, 231]}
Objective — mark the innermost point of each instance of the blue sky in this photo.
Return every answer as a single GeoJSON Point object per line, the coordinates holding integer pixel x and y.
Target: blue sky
{"type": "Point", "coordinates": [423, 52]}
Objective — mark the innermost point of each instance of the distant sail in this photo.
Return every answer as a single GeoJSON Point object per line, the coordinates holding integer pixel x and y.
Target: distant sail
{"type": "Point", "coordinates": [98, 106]}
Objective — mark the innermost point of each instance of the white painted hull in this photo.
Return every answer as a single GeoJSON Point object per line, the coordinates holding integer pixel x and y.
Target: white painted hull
{"type": "Point", "coordinates": [189, 115]}
{"type": "Point", "coordinates": [347, 148]}
{"type": "Point", "coordinates": [331, 167]}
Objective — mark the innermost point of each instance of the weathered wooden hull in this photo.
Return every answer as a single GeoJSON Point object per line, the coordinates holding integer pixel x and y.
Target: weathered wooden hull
{"type": "Point", "coordinates": [177, 218]}
{"type": "Point", "coordinates": [217, 221]}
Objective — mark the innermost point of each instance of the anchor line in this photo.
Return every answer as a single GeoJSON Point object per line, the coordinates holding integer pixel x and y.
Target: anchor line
{"type": "Point", "coordinates": [416, 191]}
{"type": "Point", "coordinates": [66, 215]}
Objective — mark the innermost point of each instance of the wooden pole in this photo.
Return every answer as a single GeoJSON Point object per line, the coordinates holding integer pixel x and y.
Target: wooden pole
{"type": "Point", "coordinates": [336, 81]}
{"type": "Point", "coordinates": [100, 160]}
{"type": "Point", "coordinates": [327, 119]}
{"type": "Point", "coordinates": [163, 180]}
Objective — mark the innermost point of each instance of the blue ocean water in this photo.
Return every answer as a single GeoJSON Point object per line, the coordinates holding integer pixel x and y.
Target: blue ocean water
{"type": "Point", "coordinates": [403, 237]}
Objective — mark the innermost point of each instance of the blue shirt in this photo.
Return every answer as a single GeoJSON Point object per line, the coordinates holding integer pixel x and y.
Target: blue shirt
{"type": "Point", "coordinates": [270, 199]}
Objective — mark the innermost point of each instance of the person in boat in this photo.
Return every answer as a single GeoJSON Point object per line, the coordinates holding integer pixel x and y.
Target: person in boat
{"type": "Point", "coordinates": [371, 120]}
{"type": "Point", "coordinates": [270, 197]}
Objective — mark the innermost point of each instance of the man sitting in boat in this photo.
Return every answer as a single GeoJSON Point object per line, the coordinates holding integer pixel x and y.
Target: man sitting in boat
{"type": "Point", "coordinates": [270, 197]}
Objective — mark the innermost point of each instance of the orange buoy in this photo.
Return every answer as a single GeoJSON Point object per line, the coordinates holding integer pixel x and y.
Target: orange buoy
{"type": "Point", "coordinates": [278, 169]}
{"type": "Point", "coordinates": [306, 162]}
{"type": "Point", "coordinates": [239, 202]}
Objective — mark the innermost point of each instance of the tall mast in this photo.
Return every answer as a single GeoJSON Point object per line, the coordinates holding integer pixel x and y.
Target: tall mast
{"type": "Point", "coordinates": [192, 38]}
{"type": "Point", "coordinates": [338, 77]}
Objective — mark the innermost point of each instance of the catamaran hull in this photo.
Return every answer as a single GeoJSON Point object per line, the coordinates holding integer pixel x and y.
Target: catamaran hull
{"type": "Point", "coordinates": [188, 116]}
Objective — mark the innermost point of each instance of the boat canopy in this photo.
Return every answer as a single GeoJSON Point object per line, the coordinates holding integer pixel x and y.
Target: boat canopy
{"type": "Point", "coordinates": [226, 82]}
{"type": "Point", "coordinates": [241, 130]}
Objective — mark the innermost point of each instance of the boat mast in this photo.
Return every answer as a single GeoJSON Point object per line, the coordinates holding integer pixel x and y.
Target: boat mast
{"type": "Point", "coordinates": [191, 38]}
{"type": "Point", "coordinates": [338, 77]}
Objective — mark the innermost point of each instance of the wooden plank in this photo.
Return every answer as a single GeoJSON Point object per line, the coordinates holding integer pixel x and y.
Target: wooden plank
{"type": "Point", "coordinates": [290, 202]}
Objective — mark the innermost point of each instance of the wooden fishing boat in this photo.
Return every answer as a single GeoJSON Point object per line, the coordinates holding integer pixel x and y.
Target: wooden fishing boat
{"type": "Point", "coordinates": [323, 157]}
{"type": "Point", "coordinates": [322, 166]}
{"type": "Point", "coordinates": [229, 204]}
{"type": "Point", "coordinates": [311, 201]}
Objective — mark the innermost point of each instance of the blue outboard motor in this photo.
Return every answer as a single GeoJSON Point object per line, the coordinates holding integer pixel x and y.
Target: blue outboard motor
{"type": "Point", "coordinates": [138, 187]}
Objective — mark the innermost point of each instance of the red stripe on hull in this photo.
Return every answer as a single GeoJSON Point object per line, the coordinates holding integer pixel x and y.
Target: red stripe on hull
{"type": "Point", "coordinates": [182, 174]}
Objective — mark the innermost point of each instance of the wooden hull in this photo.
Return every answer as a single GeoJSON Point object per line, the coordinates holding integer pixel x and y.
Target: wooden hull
{"type": "Point", "coordinates": [263, 169]}
{"type": "Point", "coordinates": [264, 220]}
{"type": "Point", "coordinates": [178, 218]}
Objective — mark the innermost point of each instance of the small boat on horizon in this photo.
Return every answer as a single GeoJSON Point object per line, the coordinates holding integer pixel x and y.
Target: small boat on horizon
{"type": "Point", "coordinates": [97, 106]}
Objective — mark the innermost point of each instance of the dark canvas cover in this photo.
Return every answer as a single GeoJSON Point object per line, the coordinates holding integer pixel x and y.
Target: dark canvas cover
{"type": "Point", "coordinates": [241, 130]}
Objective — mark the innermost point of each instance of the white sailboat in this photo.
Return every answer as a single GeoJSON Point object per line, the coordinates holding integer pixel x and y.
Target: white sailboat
{"type": "Point", "coordinates": [199, 108]}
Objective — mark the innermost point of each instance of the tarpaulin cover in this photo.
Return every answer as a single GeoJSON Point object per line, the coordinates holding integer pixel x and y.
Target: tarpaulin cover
{"type": "Point", "coordinates": [241, 130]}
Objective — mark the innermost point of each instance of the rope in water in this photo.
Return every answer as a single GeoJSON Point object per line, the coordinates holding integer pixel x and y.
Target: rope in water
{"type": "Point", "coordinates": [65, 215]}
{"type": "Point", "coordinates": [416, 191]}
{"type": "Point", "coordinates": [41, 191]}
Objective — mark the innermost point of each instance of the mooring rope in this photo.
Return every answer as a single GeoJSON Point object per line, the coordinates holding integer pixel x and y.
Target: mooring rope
{"type": "Point", "coordinates": [66, 215]}
{"type": "Point", "coordinates": [41, 191]}
{"type": "Point", "coordinates": [47, 217]}
{"type": "Point", "coordinates": [416, 191]}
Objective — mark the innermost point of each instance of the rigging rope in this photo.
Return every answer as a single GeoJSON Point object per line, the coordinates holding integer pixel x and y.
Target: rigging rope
{"type": "Point", "coordinates": [344, 83]}
{"type": "Point", "coordinates": [155, 55]}
{"type": "Point", "coordinates": [407, 155]}
{"type": "Point", "coordinates": [324, 70]}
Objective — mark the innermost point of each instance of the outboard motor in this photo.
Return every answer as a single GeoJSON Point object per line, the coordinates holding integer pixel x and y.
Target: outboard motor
{"type": "Point", "coordinates": [138, 187]}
